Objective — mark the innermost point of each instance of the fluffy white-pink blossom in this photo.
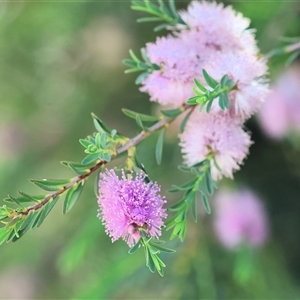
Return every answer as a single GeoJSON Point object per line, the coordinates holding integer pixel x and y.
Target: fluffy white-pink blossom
{"type": "Point", "coordinates": [172, 84]}
{"type": "Point", "coordinates": [216, 134]}
{"type": "Point", "coordinates": [219, 28]}
{"type": "Point", "coordinates": [240, 218]}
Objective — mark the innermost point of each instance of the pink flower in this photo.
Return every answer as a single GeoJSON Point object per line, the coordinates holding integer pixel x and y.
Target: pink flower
{"type": "Point", "coordinates": [128, 205]}
{"type": "Point", "coordinates": [218, 135]}
{"type": "Point", "coordinates": [281, 112]}
{"type": "Point", "coordinates": [219, 28]}
{"type": "Point", "coordinates": [240, 218]}
{"type": "Point", "coordinates": [172, 85]}
{"type": "Point", "coordinates": [247, 72]}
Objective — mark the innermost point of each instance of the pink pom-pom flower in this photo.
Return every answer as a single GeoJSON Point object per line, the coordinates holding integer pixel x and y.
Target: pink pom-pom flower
{"type": "Point", "coordinates": [128, 205]}
{"type": "Point", "coordinates": [240, 218]}
{"type": "Point", "coordinates": [216, 135]}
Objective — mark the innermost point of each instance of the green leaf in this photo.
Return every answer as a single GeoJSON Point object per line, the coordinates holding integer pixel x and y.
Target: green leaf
{"type": "Point", "coordinates": [209, 80]}
{"type": "Point", "coordinates": [146, 118]}
{"type": "Point", "coordinates": [148, 19]}
{"type": "Point", "coordinates": [48, 207]}
{"type": "Point", "coordinates": [199, 85]}
{"type": "Point", "coordinates": [139, 122]}
{"type": "Point", "coordinates": [134, 248]}
{"type": "Point", "coordinates": [141, 77]}
{"type": "Point", "coordinates": [206, 204]}
{"type": "Point", "coordinates": [186, 186]}
{"type": "Point", "coordinates": [209, 105]}
{"type": "Point", "coordinates": [50, 184]}
{"type": "Point", "coordinates": [129, 63]}
{"type": "Point", "coordinates": [99, 125]}
{"type": "Point", "coordinates": [133, 56]}
{"type": "Point", "coordinates": [195, 209]}
{"type": "Point", "coordinates": [224, 101]}
{"type": "Point", "coordinates": [29, 219]}
{"type": "Point", "coordinates": [77, 167]}
{"type": "Point", "coordinates": [85, 143]}
{"type": "Point", "coordinates": [72, 196]}
{"type": "Point", "coordinates": [193, 100]}
{"type": "Point", "coordinates": [159, 146]}
{"type": "Point", "coordinates": [184, 121]}
{"type": "Point", "coordinates": [37, 219]}
{"type": "Point", "coordinates": [161, 27]}
{"type": "Point", "coordinates": [90, 158]}
{"type": "Point", "coordinates": [177, 206]}
{"type": "Point", "coordinates": [172, 113]}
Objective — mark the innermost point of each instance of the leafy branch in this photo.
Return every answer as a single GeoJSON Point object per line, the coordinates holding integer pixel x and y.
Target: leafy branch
{"type": "Point", "coordinates": [205, 97]}
{"type": "Point", "coordinates": [160, 12]}
{"type": "Point", "coordinates": [202, 183]}
{"type": "Point", "coordinates": [137, 65]}
{"type": "Point", "coordinates": [100, 148]}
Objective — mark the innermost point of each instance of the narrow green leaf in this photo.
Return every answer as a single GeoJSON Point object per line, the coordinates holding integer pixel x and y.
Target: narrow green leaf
{"type": "Point", "coordinates": [184, 121]}
{"type": "Point", "coordinates": [139, 122]}
{"type": "Point", "coordinates": [195, 209]}
{"type": "Point", "coordinates": [50, 184]}
{"type": "Point", "coordinates": [224, 101]}
{"type": "Point", "coordinates": [90, 158]}
{"type": "Point", "coordinates": [159, 146]}
{"type": "Point", "coordinates": [36, 220]}
{"type": "Point", "coordinates": [224, 80]}
{"type": "Point", "coordinates": [209, 80]}
{"type": "Point", "coordinates": [177, 206]}
{"type": "Point", "coordinates": [206, 204]}
{"type": "Point", "coordinates": [50, 205]}
{"type": "Point", "coordinates": [161, 27]}
{"type": "Point", "coordinates": [209, 105]}
{"type": "Point", "coordinates": [133, 56]}
{"type": "Point", "coordinates": [173, 7]}
{"type": "Point", "coordinates": [172, 113]}
{"type": "Point", "coordinates": [134, 248]}
{"type": "Point", "coordinates": [141, 77]}
{"type": "Point", "coordinates": [199, 85]}
{"type": "Point", "coordinates": [193, 100]}
{"type": "Point", "coordinates": [29, 219]}
{"type": "Point", "coordinates": [85, 143]}
{"type": "Point", "coordinates": [99, 125]}
{"type": "Point", "coordinates": [148, 19]}
{"type": "Point", "coordinates": [77, 167]}
{"type": "Point", "coordinates": [72, 196]}
{"type": "Point", "coordinates": [143, 117]}
{"type": "Point", "coordinates": [129, 63]}
{"type": "Point", "coordinates": [186, 186]}
{"type": "Point", "coordinates": [149, 261]}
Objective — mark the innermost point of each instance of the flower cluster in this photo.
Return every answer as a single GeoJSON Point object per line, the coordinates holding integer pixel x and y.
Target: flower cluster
{"type": "Point", "coordinates": [217, 39]}
{"type": "Point", "coordinates": [240, 218]}
{"type": "Point", "coordinates": [280, 114]}
{"type": "Point", "coordinates": [129, 205]}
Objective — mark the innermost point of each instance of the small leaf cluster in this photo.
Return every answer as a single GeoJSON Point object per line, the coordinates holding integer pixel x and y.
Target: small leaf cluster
{"type": "Point", "coordinates": [205, 97]}
{"type": "Point", "coordinates": [101, 145]}
{"type": "Point", "coordinates": [152, 248]}
{"type": "Point", "coordinates": [202, 183]}
{"type": "Point", "coordinates": [136, 65]}
{"type": "Point", "coordinates": [160, 12]}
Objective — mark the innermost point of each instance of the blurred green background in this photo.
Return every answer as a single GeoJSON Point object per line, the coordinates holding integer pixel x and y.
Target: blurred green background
{"type": "Point", "coordinates": [60, 61]}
